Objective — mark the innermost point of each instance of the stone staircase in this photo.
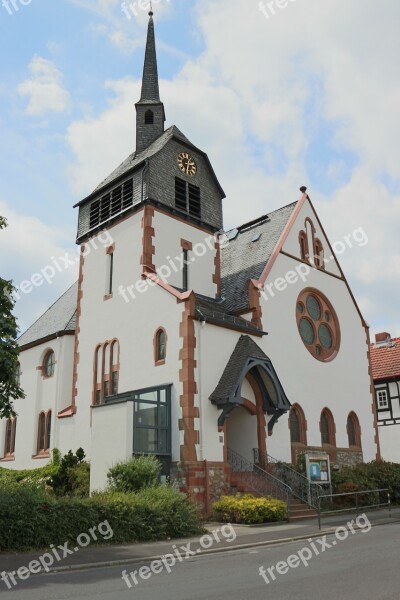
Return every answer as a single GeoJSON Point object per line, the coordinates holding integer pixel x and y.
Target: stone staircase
{"type": "Point", "coordinates": [276, 480]}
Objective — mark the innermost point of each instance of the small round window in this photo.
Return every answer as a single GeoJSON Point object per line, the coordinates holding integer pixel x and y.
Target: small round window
{"type": "Point", "coordinates": [318, 325]}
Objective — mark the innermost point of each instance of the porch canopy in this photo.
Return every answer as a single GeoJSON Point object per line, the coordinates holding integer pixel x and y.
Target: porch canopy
{"type": "Point", "coordinates": [248, 358]}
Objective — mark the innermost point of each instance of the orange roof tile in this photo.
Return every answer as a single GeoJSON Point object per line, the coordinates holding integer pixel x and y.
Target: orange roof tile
{"type": "Point", "coordinates": [385, 360]}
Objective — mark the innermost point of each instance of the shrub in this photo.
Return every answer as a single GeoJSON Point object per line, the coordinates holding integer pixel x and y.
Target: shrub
{"type": "Point", "coordinates": [248, 509]}
{"type": "Point", "coordinates": [31, 520]}
{"type": "Point", "coordinates": [134, 474]}
{"type": "Point", "coordinates": [72, 475]}
{"type": "Point", "coordinates": [369, 476]}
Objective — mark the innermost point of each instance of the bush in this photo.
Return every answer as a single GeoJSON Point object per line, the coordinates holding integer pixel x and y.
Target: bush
{"type": "Point", "coordinates": [249, 510]}
{"type": "Point", "coordinates": [134, 474]}
{"type": "Point", "coordinates": [369, 476]}
{"type": "Point", "coordinates": [72, 475]}
{"type": "Point", "coordinates": [31, 520]}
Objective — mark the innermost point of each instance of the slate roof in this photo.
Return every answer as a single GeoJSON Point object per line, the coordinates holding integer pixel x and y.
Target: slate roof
{"type": "Point", "coordinates": [60, 317]}
{"type": "Point", "coordinates": [214, 311]}
{"type": "Point", "coordinates": [242, 259]}
{"type": "Point", "coordinates": [245, 348]}
{"type": "Point", "coordinates": [385, 360]}
{"type": "Point", "coordinates": [136, 158]}
{"type": "Point", "coordinates": [150, 90]}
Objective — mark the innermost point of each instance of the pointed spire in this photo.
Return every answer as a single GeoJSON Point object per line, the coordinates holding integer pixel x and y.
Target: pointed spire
{"type": "Point", "coordinates": [150, 89]}
{"type": "Point", "coordinates": [150, 114]}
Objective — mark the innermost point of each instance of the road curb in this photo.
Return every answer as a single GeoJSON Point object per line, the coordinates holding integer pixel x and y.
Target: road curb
{"type": "Point", "coordinates": [145, 559]}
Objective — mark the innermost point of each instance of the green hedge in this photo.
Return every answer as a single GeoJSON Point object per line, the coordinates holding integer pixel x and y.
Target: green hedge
{"type": "Point", "coordinates": [134, 474]}
{"type": "Point", "coordinates": [369, 476]}
{"type": "Point", "coordinates": [30, 519]}
{"type": "Point", "coordinates": [248, 509]}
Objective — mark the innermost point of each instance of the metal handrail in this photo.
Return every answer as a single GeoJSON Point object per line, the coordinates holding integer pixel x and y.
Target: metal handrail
{"type": "Point", "coordinates": [240, 464]}
{"type": "Point", "coordinates": [301, 487]}
{"type": "Point", "coordinates": [357, 506]}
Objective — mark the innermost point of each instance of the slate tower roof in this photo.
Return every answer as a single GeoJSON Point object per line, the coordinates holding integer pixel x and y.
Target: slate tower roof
{"type": "Point", "coordinates": [150, 114]}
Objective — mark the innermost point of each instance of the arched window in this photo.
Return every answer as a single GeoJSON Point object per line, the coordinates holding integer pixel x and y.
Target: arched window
{"type": "Point", "coordinates": [319, 255]}
{"type": "Point", "coordinates": [9, 446]}
{"type": "Point", "coordinates": [353, 430]}
{"type": "Point", "coordinates": [106, 371]}
{"type": "Point", "coordinates": [49, 364]}
{"type": "Point", "coordinates": [297, 424]}
{"type": "Point", "coordinates": [327, 427]}
{"type": "Point", "coordinates": [44, 432]}
{"type": "Point", "coordinates": [149, 117]}
{"type": "Point", "coordinates": [160, 346]}
{"type": "Point", "coordinates": [304, 253]}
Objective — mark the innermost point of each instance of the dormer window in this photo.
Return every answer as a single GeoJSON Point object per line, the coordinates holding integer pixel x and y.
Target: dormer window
{"type": "Point", "coordinates": [187, 197]}
{"type": "Point", "coordinates": [149, 117]}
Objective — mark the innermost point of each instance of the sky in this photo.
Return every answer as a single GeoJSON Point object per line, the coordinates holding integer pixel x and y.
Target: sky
{"type": "Point", "coordinates": [280, 94]}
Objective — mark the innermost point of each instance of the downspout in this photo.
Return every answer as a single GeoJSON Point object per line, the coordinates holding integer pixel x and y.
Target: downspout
{"type": "Point", "coordinates": [146, 166]}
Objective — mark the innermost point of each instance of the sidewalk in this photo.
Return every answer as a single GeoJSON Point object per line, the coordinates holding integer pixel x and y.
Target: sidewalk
{"type": "Point", "coordinates": [246, 536]}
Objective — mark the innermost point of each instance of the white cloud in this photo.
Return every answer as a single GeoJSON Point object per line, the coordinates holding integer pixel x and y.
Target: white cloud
{"type": "Point", "coordinates": [44, 89]}
{"type": "Point", "coordinates": [254, 100]}
{"type": "Point", "coordinates": [27, 246]}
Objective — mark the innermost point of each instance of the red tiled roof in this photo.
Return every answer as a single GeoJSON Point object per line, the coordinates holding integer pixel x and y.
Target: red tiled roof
{"type": "Point", "coordinates": [385, 360]}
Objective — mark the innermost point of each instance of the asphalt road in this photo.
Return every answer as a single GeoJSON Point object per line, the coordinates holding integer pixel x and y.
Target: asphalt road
{"type": "Point", "coordinates": [365, 566]}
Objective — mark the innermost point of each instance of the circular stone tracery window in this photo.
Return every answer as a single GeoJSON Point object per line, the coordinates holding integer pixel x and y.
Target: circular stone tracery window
{"type": "Point", "coordinates": [318, 325]}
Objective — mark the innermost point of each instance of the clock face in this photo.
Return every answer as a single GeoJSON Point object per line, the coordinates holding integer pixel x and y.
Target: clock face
{"type": "Point", "coordinates": [187, 164]}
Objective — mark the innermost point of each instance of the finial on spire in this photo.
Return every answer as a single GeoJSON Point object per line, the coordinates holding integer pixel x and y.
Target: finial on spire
{"type": "Point", "coordinates": [151, 13]}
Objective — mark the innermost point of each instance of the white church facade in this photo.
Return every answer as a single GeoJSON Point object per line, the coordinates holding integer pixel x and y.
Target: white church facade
{"type": "Point", "coordinates": [190, 343]}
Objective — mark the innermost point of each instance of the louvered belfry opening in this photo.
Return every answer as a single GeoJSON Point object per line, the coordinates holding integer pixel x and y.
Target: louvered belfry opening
{"type": "Point", "coordinates": [112, 203]}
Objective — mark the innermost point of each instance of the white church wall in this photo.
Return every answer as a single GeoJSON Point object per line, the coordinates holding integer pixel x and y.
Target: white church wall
{"type": "Point", "coordinates": [168, 254]}
{"type": "Point", "coordinates": [343, 384]}
{"type": "Point", "coordinates": [42, 394]}
{"type": "Point", "coordinates": [112, 440]}
{"type": "Point", "coordinates": [103, 320]}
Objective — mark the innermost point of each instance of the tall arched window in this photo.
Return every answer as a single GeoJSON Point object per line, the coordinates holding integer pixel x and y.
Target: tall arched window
{"type": "Point", "coordinates": [160, 346]}
{"type": "Point", "coordinates": [353, 430]}
{"type": "Point", "coordinates": [44, 432]}
{"type": "Point", "coordinates": [18, 374]}
{"type": "Point", "coordinates": [319, 255]}
{"type": "Point", "coordinates": [105, 371]}
{"type": "Point", "coordinates": [9, 445]}
{"type": "Point", "coordinates": [327, 427]}
{"type": "Point", "coordinates": [297, 424]}
{"type": "Point", "coordinates": [304, 253]}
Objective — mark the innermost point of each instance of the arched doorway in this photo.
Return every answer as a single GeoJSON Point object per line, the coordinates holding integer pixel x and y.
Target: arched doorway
{"type": "Point", "coordinates": [241, 431]}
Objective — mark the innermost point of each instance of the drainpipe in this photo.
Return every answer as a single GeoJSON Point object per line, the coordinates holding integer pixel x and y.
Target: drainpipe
{"type": "Point", "coordinates": [146, 166]}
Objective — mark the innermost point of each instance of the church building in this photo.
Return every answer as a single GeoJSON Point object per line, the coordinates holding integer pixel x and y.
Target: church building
{"type": "Point", "coordinates": [201, 346]}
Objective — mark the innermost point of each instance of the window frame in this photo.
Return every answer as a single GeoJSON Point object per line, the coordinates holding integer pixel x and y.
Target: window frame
{"type": "Point", "coordinates": [159, 427]}
{"type": "Point", "coordinates": [9, 444]}
{"type": "Point", "coordinates": [45, 364]}
{"type": "Point", "coordinates": [108, 377]}
{"type": "Point", "coordinates": [44, 433]}
{"type": "Point", "coordinates": [357, 430]}
{"type": "Point", "coordinates": [331, 428]}
{"type": "Point", "coordinates": [158, 358]}
{"type": "Point", "coordinates": [382, 391]}
{"type": "Point", "coordinates": [188, 198]}
{"type": "Point", "coordinates": [328, 318]}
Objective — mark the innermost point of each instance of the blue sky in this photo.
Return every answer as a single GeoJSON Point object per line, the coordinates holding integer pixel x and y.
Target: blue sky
{"type": "Point", "coordinates": [296, 98]}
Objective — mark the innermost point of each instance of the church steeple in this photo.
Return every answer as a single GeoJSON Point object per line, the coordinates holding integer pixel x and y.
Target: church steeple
{"type": "Point", "coordinates": [150, 115]}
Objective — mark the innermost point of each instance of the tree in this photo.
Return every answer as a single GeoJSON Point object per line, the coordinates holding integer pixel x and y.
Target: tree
{"type": "Point", "coordinates": [9, 386]}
